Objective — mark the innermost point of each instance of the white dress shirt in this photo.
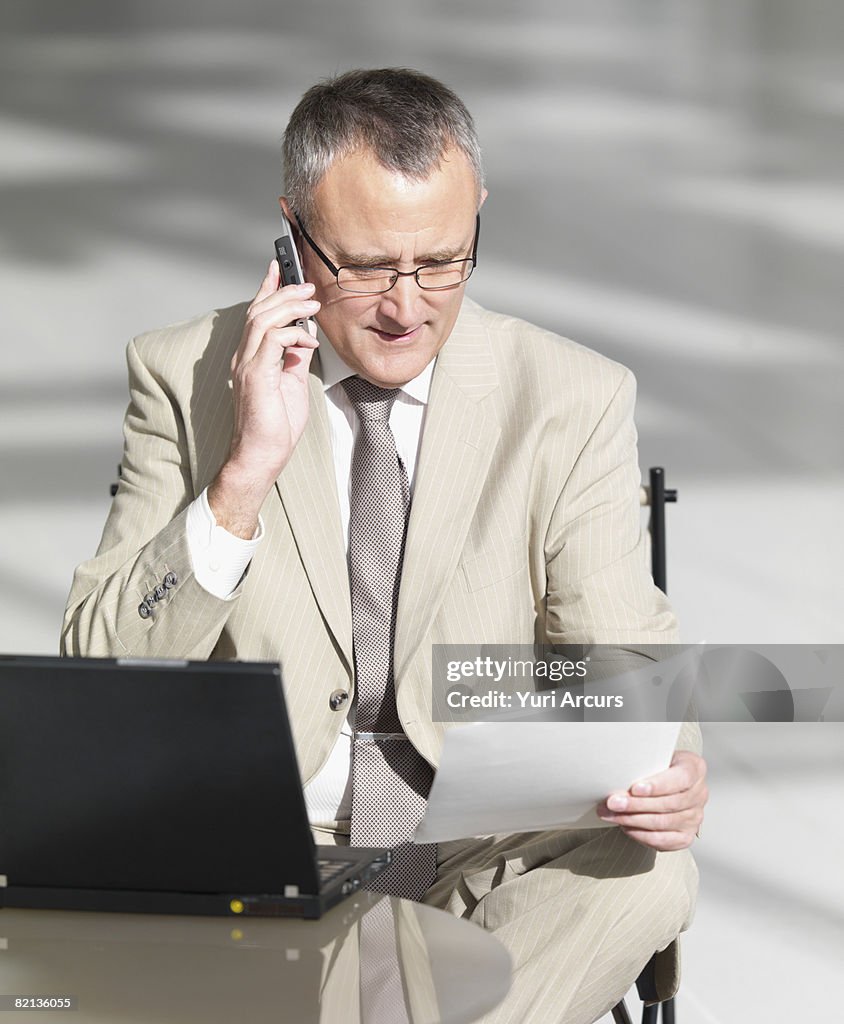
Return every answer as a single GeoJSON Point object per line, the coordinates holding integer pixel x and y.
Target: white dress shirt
{"type": "Point", "coordinates": [220, 559]}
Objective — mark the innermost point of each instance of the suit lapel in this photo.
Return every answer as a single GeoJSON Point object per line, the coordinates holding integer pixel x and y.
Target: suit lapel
{"type": "Point", "coordinates": [308, 493]}
{"type": "Point", "coordinates": [459, 439]}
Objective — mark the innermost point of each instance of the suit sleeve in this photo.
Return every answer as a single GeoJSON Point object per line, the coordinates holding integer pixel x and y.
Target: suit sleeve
{"type": "Point", "coordinates": [600, 590]}
{"type": "Point", "coordinates": [138, 596]}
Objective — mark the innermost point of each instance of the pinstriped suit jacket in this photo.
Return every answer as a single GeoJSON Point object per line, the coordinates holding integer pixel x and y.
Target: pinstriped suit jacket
{"type": "Point", "coordinates": [524, 524]}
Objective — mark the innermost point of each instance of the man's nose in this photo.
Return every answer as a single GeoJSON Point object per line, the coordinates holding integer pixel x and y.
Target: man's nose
{"type": "Point", "coordinates": [402, 302]}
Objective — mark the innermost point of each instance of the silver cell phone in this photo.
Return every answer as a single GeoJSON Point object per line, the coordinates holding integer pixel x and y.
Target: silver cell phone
{"type": "Point", "coordinates": [289, 265]}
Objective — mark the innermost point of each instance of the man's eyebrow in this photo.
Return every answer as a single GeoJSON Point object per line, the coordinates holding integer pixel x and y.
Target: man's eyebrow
{"type": "Point", "coordinates": [358, 259]}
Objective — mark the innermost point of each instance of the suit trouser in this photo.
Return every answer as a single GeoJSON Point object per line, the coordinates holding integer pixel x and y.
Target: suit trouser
{"type": "Point", "coordinates": [581, 912]}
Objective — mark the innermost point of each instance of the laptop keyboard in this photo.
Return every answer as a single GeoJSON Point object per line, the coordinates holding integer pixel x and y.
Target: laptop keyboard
{"type": "Point", "coordinates": [330, 869]}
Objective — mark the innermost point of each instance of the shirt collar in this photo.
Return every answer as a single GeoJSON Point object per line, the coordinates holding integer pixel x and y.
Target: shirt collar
{"type": "Point", "coordinates": [335, 370]}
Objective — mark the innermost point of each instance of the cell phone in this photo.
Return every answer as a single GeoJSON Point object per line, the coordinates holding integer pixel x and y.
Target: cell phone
{"type": "Point", "coordinates": [289, 265]}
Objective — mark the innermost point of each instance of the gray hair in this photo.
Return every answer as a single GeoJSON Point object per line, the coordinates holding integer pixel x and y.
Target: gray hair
{"type": "Point", "coordinates": [408, 120]}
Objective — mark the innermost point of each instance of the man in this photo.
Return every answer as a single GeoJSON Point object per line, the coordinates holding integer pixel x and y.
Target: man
{"type": "Point", "coordinates": [262, 513]}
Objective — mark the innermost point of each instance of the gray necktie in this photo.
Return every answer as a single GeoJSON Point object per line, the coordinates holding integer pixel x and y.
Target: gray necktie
{"type": "Point", "coordinates": [390, 780]}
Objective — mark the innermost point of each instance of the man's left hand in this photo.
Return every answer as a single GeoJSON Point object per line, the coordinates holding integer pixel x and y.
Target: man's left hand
{"type": "Point", "coordinates": [665, 810]}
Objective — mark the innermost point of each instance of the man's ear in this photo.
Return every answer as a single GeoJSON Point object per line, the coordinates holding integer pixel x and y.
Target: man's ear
{"type": "Point", "coordinates": [484, 194]}
{"type": "Point", "coordinates": [285, 209]}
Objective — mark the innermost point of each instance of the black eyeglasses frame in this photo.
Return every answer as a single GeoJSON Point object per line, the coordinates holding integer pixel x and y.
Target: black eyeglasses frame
{"type": "Point", "coordinates": [335, 270]}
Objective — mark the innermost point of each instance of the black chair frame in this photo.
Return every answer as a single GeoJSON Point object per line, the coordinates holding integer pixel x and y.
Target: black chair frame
{"type": "Point", "coordinates": [655, 495]}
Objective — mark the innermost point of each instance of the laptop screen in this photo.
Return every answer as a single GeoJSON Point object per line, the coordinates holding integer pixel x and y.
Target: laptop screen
{"type": "Point", "coordinates": [164, 776]}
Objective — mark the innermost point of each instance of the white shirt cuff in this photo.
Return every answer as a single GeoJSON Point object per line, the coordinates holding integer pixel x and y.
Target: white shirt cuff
{"type": "Point", "coordinates": [219, 558]}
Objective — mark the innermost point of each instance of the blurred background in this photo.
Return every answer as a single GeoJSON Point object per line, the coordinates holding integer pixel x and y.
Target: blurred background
{"type": "Point", "coordinates": [665, 186]}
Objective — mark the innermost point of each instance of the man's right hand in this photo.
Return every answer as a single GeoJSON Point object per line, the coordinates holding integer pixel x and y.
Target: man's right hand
{"type": "Point", "coordinates": [270, 387]}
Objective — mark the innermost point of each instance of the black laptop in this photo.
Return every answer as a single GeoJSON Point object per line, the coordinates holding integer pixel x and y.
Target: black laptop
{"type": "Point", "coordinates": [159, 786]}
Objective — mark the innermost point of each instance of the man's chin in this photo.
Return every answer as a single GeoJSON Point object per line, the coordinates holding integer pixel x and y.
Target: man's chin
{"type": "Point", "coordinates": [392, 373]}
{"type": "Point", "coordinates": [391, 364]}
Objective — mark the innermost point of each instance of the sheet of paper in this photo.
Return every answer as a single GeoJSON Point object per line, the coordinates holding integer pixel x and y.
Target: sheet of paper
{"type": "Point", "coordinates": [525, 776]}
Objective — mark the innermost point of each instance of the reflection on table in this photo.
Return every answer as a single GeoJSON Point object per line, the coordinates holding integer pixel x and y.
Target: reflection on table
{"type": "Point", "coordinates": [372, 959]}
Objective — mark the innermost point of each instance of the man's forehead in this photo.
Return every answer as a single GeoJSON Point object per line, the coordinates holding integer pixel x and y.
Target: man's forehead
{"type": "Point", "coordinates": [378, 253]}
{"type": "Point", "coordinates": [367, 212]}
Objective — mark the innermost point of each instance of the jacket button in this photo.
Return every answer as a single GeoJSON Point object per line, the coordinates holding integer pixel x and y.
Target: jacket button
{"type": "Point", "coordinates": [159, 592]}
{"type": "Point", "coordinates": [170, 580]}
{"type": "Point", "coordinates": [337, 699]}
{"type": "Point", "coordinates": [150, 599]}
{"type": "Point", "coordinates": [144, 610]}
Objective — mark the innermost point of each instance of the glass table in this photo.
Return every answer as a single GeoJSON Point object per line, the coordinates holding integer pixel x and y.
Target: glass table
{"type": "Point", "coordinates": [373, 959]}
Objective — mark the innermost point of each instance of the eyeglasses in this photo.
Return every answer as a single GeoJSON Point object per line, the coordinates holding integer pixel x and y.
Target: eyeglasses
{"type": "Point", "coordinates": [432, 277]}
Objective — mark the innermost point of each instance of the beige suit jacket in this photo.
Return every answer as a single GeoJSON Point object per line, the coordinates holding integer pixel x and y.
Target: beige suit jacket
{"type": "Point", "coordinates": [524, 526]}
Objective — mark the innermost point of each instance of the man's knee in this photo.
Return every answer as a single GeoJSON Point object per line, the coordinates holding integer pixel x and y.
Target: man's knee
{"type": "Point", "coordinates": [497, 882]}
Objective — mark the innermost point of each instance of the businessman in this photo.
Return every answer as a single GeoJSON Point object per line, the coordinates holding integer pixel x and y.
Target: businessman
{"type": "Point", "coordinates": [402, 468]}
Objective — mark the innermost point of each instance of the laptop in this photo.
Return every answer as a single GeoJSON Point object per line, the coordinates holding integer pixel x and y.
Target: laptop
{"type": "Point", "coordinates": [159, 786]}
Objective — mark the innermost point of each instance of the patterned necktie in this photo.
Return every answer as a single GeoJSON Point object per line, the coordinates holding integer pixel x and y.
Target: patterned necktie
{"type": "Point", "coordinates": [390, 780]}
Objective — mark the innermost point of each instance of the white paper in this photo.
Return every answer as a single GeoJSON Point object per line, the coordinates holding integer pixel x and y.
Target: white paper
{"type": "Point", "coordinates": [526, 776]}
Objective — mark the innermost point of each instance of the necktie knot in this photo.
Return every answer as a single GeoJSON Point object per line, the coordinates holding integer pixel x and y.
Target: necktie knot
{"type": "Point", "coordinates": [371, 403]}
